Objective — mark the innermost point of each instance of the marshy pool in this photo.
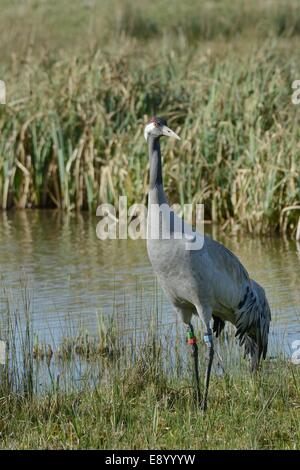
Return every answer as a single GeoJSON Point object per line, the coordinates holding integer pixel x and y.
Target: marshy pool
{"type": "Point", "coordinates": [74, 277]}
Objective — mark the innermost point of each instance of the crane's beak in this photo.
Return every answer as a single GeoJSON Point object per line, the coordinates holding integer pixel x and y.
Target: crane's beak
{"type": "Point", "coordinates": [169, 133]}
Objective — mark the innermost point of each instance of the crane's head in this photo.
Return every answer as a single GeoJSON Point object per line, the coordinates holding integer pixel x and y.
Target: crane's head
{"type": "Point", "coordinates": [157, 127]}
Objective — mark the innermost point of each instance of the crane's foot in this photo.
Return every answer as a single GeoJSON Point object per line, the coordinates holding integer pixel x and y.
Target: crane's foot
{"type": "Point", "coordinates": [192, 340]}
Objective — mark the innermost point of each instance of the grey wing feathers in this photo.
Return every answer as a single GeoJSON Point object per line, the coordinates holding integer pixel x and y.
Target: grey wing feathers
{"type": "Point", "coordinates": [253, 318]}
{"type": "Point", "coordinates": [252, 313]}
{"type": "Point", "coordinates": [226, 259]}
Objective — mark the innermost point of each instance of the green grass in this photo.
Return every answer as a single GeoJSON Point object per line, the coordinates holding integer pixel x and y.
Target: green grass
{"type": "Point", "coordinates": [142, 409]}
{"type": "Point", "coordinates": [81, 24]}
{"type": "Point", "coordinates": [71, 133]}
{"type": "Point", "coordinates": [103, 392]}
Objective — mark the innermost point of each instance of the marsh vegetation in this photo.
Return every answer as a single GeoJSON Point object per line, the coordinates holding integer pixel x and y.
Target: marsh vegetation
{"type": "Point", "coordinates": [99, 391]}
{"type": "Point", "coordinates": [82, 78]}
{"type": "Point", "coordinates": [80, 87]}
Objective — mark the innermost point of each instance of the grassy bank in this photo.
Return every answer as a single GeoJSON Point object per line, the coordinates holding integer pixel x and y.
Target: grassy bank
{"type": "Point", "coordinates": [71, 133]}
{"type": "Point", "coordinates": [141, 408]}
{"type": "Point", "coordinates": [121, 389]}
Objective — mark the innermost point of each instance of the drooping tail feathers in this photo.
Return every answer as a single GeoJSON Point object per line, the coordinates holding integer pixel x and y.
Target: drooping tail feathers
{"type": "Point", "coordinates": [253, 318]}
{"type": "Point", "coordinates": [218, 325]}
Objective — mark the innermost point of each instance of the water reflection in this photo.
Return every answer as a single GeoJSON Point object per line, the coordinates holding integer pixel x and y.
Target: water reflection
{"type": "Point", "coordinates": [75, 275]}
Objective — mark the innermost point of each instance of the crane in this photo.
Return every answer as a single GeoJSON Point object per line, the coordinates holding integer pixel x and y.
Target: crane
{"type": "Point", "coordinates": [199, 275]}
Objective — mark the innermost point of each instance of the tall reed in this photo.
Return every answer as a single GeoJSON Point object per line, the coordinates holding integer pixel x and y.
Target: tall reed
{"type": "Point", "coordinates": [71, 133]}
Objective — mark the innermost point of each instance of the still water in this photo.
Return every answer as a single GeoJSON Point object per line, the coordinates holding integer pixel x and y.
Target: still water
{"type": "Point", "coordinates": [72, 275]}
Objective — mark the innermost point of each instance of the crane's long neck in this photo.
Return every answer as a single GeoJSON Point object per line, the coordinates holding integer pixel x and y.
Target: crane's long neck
{"type": "Point", "coordinates": [156, 192]}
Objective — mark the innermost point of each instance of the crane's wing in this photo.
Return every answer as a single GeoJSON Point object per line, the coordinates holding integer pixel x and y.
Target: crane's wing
{"type": "Point", "coordinates": [244, 297]}
{"type": "Point", "coordinates": [228, 276]}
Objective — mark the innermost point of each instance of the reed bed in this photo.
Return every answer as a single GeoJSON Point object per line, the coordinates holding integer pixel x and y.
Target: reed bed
{"type": "Point", "coordinates": [97, 391]}
{"type": "Point", "coordinates": [71, 132]}
{"type": "Point", "coordinates": [85, 23]}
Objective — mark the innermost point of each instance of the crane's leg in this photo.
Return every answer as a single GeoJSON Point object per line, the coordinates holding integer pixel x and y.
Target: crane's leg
{"type": "Point", "coordinates": [209, 360]}
{"type": "Point", "coordinates": [192, 340]}
{"type": "Point", "coordinates": [254, 360]}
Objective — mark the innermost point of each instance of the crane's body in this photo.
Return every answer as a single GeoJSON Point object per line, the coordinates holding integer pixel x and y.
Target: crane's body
{"type": "Point", "coordinates": [208, 281]}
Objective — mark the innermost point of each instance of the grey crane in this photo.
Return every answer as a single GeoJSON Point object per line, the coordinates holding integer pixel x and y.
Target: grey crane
{"type": "Point", "coordinates": [204, 279]}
